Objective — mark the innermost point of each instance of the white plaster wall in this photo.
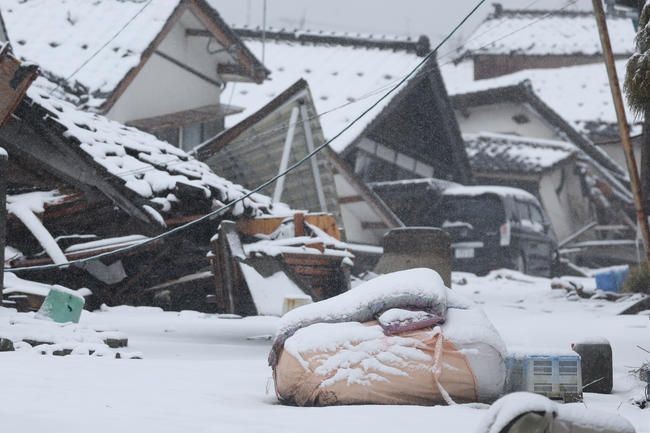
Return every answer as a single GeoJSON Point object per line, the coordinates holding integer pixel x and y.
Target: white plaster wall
{"type": "Point", "coordinates": [498, 118]}
{"type": "Point", "coordinates": [615, 151]}
{"type": "Point", "coordinates": [162, 87]}
{"type": "Point", "coordinates": [353, 214]}
{"type": "Point", "coordinates": [569, 210]}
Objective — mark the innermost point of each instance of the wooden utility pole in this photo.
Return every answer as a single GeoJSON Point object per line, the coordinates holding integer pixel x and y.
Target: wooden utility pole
{"type": "Point", "coordinates": [4, 165]}
{"type": "Point", "coordinates": [623, 127]}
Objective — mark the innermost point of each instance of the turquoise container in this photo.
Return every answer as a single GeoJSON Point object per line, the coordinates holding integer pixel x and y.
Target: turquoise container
{"type": "Point", "coordinates": [62, 306]}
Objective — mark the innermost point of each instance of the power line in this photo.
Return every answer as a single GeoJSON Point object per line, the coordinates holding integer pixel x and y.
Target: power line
{"type": "Point", "coordinates": [285, 126]}
{"type": "Point", "coordinates": [282, 126]}
{"type": "Point", "coordinates": [230, 205]}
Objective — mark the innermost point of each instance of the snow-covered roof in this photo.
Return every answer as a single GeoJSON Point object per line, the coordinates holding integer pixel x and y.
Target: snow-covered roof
{"type": "Point", "coordinates": [579, 94]}
{"type": "Point", "coordinates": [547, 32]}
{"type": "Point", "coordinates": [60, 35]}
{"type": "Point", "coordinates": [514, 154]}
{"type": "Point", "coordinates": [501, 191]}
{"type": "Point", "coordinates": [149, 167]}
{"type": "Point", "coordinates": [345, 78]}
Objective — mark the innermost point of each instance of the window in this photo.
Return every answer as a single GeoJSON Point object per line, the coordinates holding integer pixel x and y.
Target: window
{"type": "Point", "coordinates": [194, 134]}
{"type": "Point", "coordinates": [523, 214]}
{"type": "Point", "coordinates": [536, 215]}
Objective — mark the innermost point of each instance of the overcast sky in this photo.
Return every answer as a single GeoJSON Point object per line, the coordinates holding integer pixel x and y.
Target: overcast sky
{"type": "Point", "coordinates": [403, 17]}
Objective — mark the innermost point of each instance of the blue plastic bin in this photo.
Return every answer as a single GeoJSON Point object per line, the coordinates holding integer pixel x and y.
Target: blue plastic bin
{"type": "Point", "coordinates": [612, 279]}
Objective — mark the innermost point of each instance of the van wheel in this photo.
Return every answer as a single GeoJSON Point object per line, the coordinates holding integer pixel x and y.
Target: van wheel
{"type": "Point", "coordinates": [520, 263]}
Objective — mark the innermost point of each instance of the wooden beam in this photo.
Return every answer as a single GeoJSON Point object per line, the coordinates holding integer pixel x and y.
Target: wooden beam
{"type": "Point", "coordinates": [350, 199]}
{"type": "Point", "coordinates": [374, 225]}
{"type": "Point", "coordinates": [186, 68]}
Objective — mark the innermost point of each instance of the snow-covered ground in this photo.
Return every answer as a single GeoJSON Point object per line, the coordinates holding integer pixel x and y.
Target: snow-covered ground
{"type": "Point", "coordinates": [202, 373]}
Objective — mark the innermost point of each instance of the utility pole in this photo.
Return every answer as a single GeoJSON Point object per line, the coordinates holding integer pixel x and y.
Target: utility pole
{"type": "Point", "coordinates": [623, 127]}
{"type": "Point", "coordinates": [4, 166]}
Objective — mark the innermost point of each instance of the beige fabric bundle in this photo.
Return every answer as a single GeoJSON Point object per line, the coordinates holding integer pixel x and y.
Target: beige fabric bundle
{"type": "Point", "coordinates": [419, 367]}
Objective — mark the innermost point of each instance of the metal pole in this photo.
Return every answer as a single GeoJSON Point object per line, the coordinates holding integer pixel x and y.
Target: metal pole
{"type": "Point", "coordinates": [4, 165]}
{"type": "Point", "coordinates": [286, 153]}
{"type": "Point", "coordinates": [624, 128]}
{"type": "Point", "coordinates": [309, 142]}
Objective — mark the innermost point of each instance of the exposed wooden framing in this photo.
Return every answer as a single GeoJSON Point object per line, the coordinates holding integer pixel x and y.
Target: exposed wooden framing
{"type": "Point", "coordinates": [252, 226]}
{"type": "Point", "coordinates": [186, 68]}
{"type": "Point", "coordinates": [286, 152]}
{"type": "Point", "coordinates": [309, 142]}
{"type": "Point", "coordinates": [77, 255]}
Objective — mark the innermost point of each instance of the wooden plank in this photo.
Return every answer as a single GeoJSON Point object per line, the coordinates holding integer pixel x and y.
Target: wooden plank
{"type": "Point", "coordinates": [325, 222]}
{"type": "Point", "coordinates": [350, 199]}
{"type": "Point", "coordinates": [299, 224]}
{"type": "Point", "coordinates": [373, 225]}
{"type": "Point", "coordinates": [15, 79]}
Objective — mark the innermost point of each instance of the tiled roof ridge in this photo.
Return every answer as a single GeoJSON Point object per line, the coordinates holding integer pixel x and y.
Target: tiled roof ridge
{"type": "Point", "coordinates": [501, 12]}
{"type": "Point", "coordinates": [420, 47]}
{"type": "Point", "coordinates": [509, 139]}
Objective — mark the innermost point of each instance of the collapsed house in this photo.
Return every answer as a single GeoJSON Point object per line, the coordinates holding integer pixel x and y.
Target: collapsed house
{"type": "Point", "coordinates": [80, 185]}
{"type": "Point", "coordinates": [164, 72]}
{"type": "Point", "coordinates": [278, 135]}
{"type": "Point", "coordinates": [545, 39]}
{"type": "Point", "coordinates": [550, 170]}
{"type": "Point", "coordinates": [570, 105]}
{"type": "Point", "coordinates": [283, 113]}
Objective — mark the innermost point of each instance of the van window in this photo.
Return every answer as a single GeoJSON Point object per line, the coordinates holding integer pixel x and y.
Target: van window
{"type": "Point", "coordinates": [536, 215]}
{"type": "Point", "coordinates": [523, 213]}
{"type": "Point", "coordinates": [483, 212]}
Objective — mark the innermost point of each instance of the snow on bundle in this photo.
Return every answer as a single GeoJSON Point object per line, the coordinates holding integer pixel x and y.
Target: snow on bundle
{"type": "Point", "coordinates": [397, 339]}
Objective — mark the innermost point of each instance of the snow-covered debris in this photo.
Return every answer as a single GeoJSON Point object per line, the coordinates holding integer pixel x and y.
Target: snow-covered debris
{"type": "Point", "coordinates": [25, 207]}
{"type": "Point", "coordinates": [548, 32]}
{"type": "Point", "coordinates": [489, 152]}
{"type": "Point", "coordinates": [269, 293]}
{"type": "Point", "coordinates": [149, 167]}
{"type": "Point", "coordinates": [15, 284]}
{"type": "Point", "coordinates": [552, 416]}
{"type": "Point", "coordinates": [345, 79]}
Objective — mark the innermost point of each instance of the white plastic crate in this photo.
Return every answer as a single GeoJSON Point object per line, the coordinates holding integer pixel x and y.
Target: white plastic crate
{"type": "Point", "coordinates": [556, 376]}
